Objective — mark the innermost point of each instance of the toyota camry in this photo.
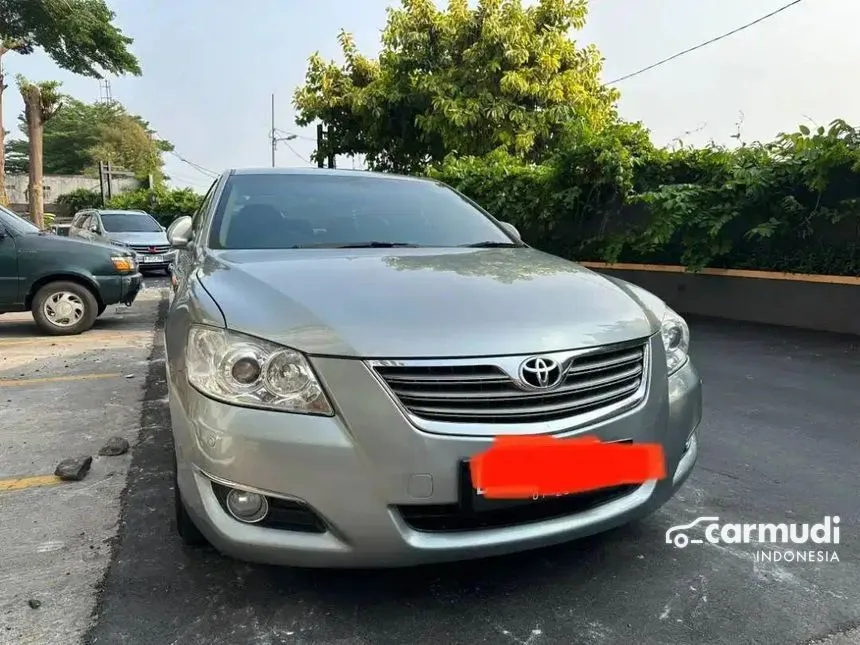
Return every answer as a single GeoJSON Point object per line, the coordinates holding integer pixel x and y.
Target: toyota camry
{"type": "Point", "coordinates": [340, 344]}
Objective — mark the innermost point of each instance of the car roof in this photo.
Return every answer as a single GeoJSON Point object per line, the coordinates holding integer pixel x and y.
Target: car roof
{"type": "Point", "coordinates": [334, 172]}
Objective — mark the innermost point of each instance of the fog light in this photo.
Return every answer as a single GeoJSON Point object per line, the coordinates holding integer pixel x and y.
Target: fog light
{"type": "Point", "coordinates": [246, 506]}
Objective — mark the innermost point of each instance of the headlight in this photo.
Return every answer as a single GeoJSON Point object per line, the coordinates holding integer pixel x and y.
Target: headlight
{"type": "Point", "coordinates": [676, 340]}
{"type": "Point", "coordinates": [242, 370]}
{"type": "Point", "coordinates": [123, 263]}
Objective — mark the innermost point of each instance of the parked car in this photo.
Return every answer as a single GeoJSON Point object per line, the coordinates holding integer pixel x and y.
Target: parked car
{"type": "Point", "coordinates": [341, 343]}
{"type": "Point", "coordinates": [136, 230]}
{"type": "Point", "coordinates": [66, 283]}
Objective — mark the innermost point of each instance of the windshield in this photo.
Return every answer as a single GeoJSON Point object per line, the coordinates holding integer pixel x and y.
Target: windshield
{"type": "Point", "coordinates": [16, 223]}
{"type": "Point", "coordinates": [129, 223]}
{"type": "Point", "coordinates": [280, 211]}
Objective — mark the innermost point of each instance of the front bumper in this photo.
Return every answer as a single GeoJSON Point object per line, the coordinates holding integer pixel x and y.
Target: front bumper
{"type": "Point", "coordinates": [131, 285]}
{"type": "Point", "coordinates": [356, 471]}
{"type": "Point", "coordinates": [167, 259]}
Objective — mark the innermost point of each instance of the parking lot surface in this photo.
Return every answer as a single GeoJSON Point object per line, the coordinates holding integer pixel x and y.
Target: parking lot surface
{"type": "Point", "coordinates": [779, 443]}
{"type": "Point", "coordinates": [64, 397]}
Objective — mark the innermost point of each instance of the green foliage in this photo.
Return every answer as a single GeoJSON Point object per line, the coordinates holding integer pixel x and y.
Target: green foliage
{"type": "Point", "coordinates": [78, 35]}
{"type": "Point", "coordinates": [460, 81]}
{"type": "Point", "coordinates": [80, 199]}
{"type": "Point", "coordinates": [82, 134]}
{"type": "Point", "coordinates": [789, 205]}
{"type": "Point", "coordinates": [163, 204]}
{"type": "Point", "coordinates": [45, 93]}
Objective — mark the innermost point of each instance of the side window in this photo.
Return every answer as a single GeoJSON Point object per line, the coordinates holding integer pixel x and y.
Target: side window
{"type": "Point", "coordinates": [79, 219]}
{"type": "Point", "coordinates": [84, 224]}
{"type": "Point", "coordinates": [199, 216]}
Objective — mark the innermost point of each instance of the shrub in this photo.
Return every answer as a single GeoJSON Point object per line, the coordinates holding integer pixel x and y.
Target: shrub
{"type": "Point", "coordinates": [788, 205]}
{"type": "Point", "coordinates": [163, 204]}
{"type": "Point", "coordinates": [80, 199]}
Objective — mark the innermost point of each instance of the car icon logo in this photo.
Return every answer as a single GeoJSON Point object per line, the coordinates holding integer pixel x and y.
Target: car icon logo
{"type": "Point", "coordinates": [677, 534]}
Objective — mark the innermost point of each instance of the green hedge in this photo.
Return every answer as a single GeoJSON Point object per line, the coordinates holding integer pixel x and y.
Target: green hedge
{"type": "Point", "coordinates": [163, 204]}
{"type": "Point", "coordinates": [788, 205]}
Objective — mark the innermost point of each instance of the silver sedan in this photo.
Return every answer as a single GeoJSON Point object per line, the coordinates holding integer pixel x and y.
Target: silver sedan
{"type": "Point", "coordinates": [340, 344]}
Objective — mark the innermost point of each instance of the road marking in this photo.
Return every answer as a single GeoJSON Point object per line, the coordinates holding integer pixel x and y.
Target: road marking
{"type": "Point", "coordinates": [22, 483]}
{"type": "Point", "coordinates": [55, 379]}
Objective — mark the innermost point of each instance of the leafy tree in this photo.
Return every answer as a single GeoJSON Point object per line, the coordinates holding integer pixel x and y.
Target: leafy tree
{"type": "Point", "coordinates": [462, 80]}
{"type": "Point", "coordinates": [79, 35]}
{"type": "Point", "coordinates": [163, 204]}
{"type": "Point", "coordinates": [83, 134]}
{"type": "Point", "coordinates": [41, 102]}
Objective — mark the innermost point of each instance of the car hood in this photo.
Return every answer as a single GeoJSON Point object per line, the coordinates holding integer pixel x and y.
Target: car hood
{"type": "Point", "coordinates": [416, 303]}
{"type": "Point", "coordinates": [138, 238]}
{"type": "Point", "coordinates": [48, 241]}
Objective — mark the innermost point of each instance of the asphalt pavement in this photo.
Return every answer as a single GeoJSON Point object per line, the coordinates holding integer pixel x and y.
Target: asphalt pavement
{"type": "Point", "coordinates": [779, 442]}
{"type": "Point", "coordinates": [64, 397]}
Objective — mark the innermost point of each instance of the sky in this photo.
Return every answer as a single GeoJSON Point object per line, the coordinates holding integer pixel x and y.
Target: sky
{"type": "Point", "coordinates": [210, 68]}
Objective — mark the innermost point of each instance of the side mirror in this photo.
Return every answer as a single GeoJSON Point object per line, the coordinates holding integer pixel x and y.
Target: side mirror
{"type": "Point", "coordinates": [512, 230]}
{"type": "Point", "coordinates": [94, 228]}
{"type": "Point", "coordinates": [179, 232]}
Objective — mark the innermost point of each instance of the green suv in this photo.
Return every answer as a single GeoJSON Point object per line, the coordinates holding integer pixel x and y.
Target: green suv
{"type": "Point", "coordinates": [65, 283]}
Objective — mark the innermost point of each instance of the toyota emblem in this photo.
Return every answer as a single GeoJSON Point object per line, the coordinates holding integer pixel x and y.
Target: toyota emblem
{"type": "Point", "coordinates": [540, 373]}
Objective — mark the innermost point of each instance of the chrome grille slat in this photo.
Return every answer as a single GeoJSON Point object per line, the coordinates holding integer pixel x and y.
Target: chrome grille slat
{"type": "Point", "coordinates": [512, 393]}
{"type": "Point", "coordinates": [144, 248]}
{"type": "Point", "coordinates": [482, 393]}
{"type": "Point", "coordinates": [552, 410]}
{"type": "Point", "coordinates": [449, 378]}
{"type": "Point", "coordinates": [591, 366]}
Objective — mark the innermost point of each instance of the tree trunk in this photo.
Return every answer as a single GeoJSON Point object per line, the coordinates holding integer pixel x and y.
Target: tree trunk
{"type": "Point", "coordinates": [4, 198]}
{"type": "Point", "coordinates": [33, 107]}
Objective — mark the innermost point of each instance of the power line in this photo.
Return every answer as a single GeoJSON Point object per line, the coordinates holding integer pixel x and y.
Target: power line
{"type": "Point", "coordinates": [293, 134]}
{"type": "Point", "coordinates": [197, 167]}
{"type": "Point", "coordinates": [704, 44]}
{"type": "Point", "coordinates": [295, 152]}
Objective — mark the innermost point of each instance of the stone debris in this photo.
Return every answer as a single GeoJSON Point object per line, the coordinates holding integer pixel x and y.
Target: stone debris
{"type": "Point", "coordinates": [74, 468]}
{"type": "Point", "coordinates": [114, 446]}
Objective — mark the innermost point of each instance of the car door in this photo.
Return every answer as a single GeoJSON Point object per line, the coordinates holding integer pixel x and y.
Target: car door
{"type": "Point", "coordinates": [9, 278]}
{"type": "Point", "coordinates": [95, 227]}
{"type": "Point", "coordinates": [83, 230]}
{"type": "Point", "coordinates": [77, 222]}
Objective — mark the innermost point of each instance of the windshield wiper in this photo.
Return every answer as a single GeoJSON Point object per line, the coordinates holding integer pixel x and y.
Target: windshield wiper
{"type": "Point", "coordinates": [490, 245]}
{"type": "Point", "coordinates": [359, 245]}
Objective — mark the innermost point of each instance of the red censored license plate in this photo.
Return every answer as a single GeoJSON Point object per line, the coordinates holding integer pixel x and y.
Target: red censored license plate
{"type": "Point", "coordinates": [525, 470]}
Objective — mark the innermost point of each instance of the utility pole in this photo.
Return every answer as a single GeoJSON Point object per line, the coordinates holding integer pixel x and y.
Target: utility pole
{"type": "Point", "coordinates": [102, 181]}
{"type": "Point", "coordinates": [274, 139]}
{"type": "Point", "coordinates": [109, 181]}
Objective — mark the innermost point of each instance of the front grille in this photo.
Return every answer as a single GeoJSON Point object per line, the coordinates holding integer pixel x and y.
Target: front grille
{"type": "Point", "coordinates": [453, 517]}
{"type": "Point", "coordinates": [156, 249]}
{"type": "Point", "coordinates": [486, 394]}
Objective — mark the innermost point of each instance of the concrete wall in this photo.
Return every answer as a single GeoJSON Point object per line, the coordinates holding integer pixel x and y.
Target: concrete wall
{"type": "Point", "coordinates": [56, 185]}
{"type": "Point", "coordinates": [825, 303]}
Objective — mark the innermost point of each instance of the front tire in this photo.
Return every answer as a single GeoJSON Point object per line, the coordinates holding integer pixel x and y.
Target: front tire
{"type": "Point", "coordinates": [64, 308]}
